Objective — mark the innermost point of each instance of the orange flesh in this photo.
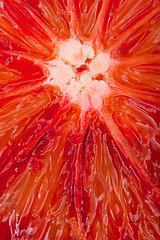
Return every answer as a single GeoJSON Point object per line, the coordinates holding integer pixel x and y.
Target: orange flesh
{"type": "Point", "coordinates": [69, 172]}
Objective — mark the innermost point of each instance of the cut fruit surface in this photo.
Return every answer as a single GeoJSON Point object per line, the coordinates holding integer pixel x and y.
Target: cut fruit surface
{"type": "Point", "coordinates": [80, 119]}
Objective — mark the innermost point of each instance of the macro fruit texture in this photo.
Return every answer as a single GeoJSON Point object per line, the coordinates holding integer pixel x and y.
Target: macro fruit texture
{"type": "Point", "coordinates": [80, 119]}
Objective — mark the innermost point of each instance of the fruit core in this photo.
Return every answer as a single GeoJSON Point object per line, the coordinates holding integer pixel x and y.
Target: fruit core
{"type": "Point", "coordinates": [81, 73]}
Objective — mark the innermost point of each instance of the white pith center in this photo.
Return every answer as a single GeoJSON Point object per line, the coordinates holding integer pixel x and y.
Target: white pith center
{"type": "Point", "coordinates": [77, 70]}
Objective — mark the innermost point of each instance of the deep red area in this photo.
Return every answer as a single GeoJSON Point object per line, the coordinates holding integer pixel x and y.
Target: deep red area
{"type": "Point", "coordinates": [5, 231]}
{"type": "Point", "coordinates": [25, 72]}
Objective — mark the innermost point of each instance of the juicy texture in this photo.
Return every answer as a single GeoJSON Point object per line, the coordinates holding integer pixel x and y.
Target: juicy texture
{"type": "Point", "coordinates": [69, 172]}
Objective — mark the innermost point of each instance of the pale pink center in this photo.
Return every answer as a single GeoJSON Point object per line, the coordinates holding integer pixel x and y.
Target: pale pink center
{"type": "Point", "coordinates": [80, 72]}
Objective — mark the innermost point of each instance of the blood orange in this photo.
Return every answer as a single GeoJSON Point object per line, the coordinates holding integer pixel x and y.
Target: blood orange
{"type": "Point", "coordinates": [80, 119]}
